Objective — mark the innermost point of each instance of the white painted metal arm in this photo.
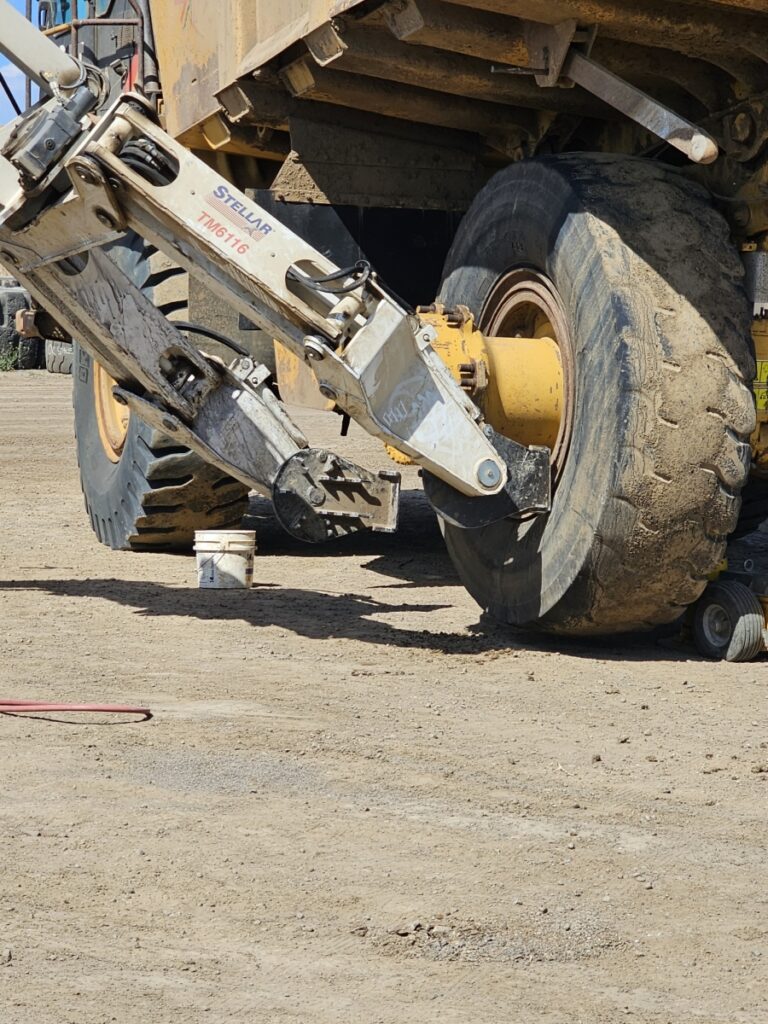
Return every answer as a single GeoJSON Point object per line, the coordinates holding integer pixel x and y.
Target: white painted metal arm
{"type": "Point", "coordinates": [37, 55]}
{"type": "Point", "coordinates": [367, 352]}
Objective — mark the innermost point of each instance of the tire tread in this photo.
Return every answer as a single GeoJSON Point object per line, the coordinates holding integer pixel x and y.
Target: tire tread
{"type": "Point", "coordinates": [170, 491]}
{"type": "Point", "coordinates": [662, 525]}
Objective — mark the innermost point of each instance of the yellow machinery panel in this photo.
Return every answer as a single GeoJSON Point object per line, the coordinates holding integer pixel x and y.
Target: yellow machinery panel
{"type": "Point", "coordinates": [760, 436]}
{"type": "Point", "coordinates": [298, 384]}
{"type": "Point", "coordinates": [203, 47]}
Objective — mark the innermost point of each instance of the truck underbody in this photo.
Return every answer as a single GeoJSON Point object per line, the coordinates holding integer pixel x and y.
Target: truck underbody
{"type": "Point", "coordinates": [440, 94]}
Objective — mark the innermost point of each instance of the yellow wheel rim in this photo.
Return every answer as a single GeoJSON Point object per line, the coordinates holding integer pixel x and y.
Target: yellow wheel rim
{"type": "Point", "coordinates": [111, 416]}
{"type": "Point", "coordinates": [529, 344]}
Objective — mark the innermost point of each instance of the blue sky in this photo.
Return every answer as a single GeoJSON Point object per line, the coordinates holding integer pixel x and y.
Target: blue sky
{"type": "Point", "coordinates": [14, 78]}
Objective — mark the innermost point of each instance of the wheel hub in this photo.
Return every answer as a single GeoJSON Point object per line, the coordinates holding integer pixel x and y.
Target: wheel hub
{"type": "Point", "coordinates": [716, 625]}
{"type": "Point", "coordinates": [526, 329]}
{"type": "Point", "coordinates": [517, 366]}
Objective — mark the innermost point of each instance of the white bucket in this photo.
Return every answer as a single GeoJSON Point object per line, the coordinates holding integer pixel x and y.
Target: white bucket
{"type": "Point", "coordinates": [225, 558]}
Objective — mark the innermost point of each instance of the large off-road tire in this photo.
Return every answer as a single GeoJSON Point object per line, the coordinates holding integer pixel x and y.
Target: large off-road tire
{"type": "Point", "coordinates": [649, 478]}
{"type": "Point", "coordinates": [148, 492]}
{"type": "Point", "coordinates": [58, 356]}
{"type": "Point", "coordinates": [16, 352]}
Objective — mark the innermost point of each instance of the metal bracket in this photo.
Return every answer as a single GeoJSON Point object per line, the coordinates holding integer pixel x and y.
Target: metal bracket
{"type": "Point", "coordinates": [325, 44]}
{"type": "Point", "coordinates": [98, 198]}
{"type": "Point", "coordinates": [211, 439]}
{"type": "Point", "coordinates": [297, 77]}
{"type": "Point", "coordinates": [26, 323]}
{"type": "Point", "coordinates": [527, 491]}
{"type": "Point", "coordinates": [548, 46]}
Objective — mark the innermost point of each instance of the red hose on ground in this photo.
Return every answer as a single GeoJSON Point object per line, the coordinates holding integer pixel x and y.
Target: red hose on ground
{"type": "Point", "coordinates": [35, 706]}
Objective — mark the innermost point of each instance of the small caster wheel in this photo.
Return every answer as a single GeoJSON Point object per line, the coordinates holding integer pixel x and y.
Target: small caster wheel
{"type": "Point", "coordinates": [728, 622]}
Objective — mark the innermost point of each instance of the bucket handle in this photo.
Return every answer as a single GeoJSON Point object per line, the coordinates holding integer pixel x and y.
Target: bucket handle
{"type": "Point", "coordinates": [225, 547]}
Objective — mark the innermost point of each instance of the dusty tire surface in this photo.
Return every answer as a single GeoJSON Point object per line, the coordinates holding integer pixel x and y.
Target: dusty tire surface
{"type": "Point", "coordinates": [159, 492]}
{"type": "Point", "coordinates": [659, 451]}
{"type": "Point", "coordinates": [58, 356]}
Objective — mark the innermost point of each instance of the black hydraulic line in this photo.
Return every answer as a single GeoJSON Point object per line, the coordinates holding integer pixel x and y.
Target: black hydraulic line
{"type": "Point", "coordinates": [359, 274]}
{"type": "Point", "coordinates": [9, 94]}
{"type": "Point", "coordinates": [149, 161]}
{"type": "Point", "coordinates": [145, 166]}
{"type": "Point", "coordinates": [209, 332]}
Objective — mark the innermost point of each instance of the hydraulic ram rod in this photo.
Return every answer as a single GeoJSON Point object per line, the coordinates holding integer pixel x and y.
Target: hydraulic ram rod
{"type": "Point", "coordinates": [697, 145]}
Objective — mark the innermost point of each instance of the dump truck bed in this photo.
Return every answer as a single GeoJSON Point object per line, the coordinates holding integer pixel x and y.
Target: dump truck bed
{"type": "Point", "coordinates": [429, 64]}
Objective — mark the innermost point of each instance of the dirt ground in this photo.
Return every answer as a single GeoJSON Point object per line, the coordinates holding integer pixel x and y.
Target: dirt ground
{"type": "Point", "coordinates": [355, 802]}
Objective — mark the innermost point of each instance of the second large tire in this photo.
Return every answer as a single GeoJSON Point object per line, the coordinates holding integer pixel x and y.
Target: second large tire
{"type": "Point", "coordinates": [650, 285]}
{"type": "Point", "coordinates": [157, 493]}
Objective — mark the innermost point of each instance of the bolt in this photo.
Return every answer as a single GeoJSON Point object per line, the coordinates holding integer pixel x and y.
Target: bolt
{"type": "Point", "coordinates": [327, 392]}
{"type": "Point", "coordinates": [85, 175]}
{"type": "Point", "coordinates": [489, 473]}
{"type": "Point", "coordinates": [741, 126]}
{"type": "Point", "coordinates": [316, 496]}
{"type": "Point", "coordinates": [50, 145]}
{"type": "Point", "coordinates": [106, 219]}
{"type": "Point", "coordinates": [468, 376]}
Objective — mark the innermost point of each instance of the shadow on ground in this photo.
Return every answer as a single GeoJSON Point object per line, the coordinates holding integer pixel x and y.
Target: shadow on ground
{"type": "Point", "coordinates": [414, 557]}
{"type": "Point", "coordinates": [316, 615]}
